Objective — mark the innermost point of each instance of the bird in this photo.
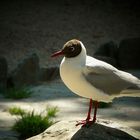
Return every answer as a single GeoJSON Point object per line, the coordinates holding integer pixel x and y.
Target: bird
{"type": "Point", "coordinates": [93, 79]}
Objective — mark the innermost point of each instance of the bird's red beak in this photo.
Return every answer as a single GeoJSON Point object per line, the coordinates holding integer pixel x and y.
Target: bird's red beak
{"type": "Point", "coordinates": [57, 53]}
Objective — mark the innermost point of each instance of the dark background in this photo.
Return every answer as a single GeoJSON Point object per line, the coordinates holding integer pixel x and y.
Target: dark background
{"type": "Point", "coordinates": [44, 26]}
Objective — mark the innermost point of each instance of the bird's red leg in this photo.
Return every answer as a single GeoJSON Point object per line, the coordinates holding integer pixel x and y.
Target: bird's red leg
{"type": "Point", "coordinates": [96, 103]}
{"type": "Point", "coordinates": [89, 111]}
{"type": "Point", "coordinates": [84, 122]}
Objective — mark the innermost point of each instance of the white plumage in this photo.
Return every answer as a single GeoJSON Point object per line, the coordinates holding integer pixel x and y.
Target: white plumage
{"type": "Point", "coordinates": [92, 78]}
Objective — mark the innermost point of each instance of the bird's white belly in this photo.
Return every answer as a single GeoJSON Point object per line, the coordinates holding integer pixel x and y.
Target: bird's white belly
{"type": "Point", "coordinates": [77, 83]}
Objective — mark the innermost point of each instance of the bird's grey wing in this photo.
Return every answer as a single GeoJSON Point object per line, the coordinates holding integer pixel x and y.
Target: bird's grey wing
{"type": "Point", "coordinates": [107, 78]}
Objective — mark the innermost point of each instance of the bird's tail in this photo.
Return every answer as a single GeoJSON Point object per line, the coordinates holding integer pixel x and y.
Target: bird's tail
{"type": "Point", "coordinates": [131, 93]}
{"type": "Point", "coordinates": [127, 93]}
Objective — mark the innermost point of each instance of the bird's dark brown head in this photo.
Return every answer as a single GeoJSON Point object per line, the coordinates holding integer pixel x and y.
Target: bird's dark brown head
{"type": "Point", "coordinates": [72, 48]}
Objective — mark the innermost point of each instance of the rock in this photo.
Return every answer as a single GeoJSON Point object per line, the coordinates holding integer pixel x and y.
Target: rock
{"type": "Point", "coordinates": [47, 74]}
{"type": "Point", "coordinates": [107, 52]}
{"type": "Point", "coordinates": [129, 53]}
{"type": "Point", "coordinates": [26, 72]}
{"type": "Point", "coordinates": [108, 49]}
{"type": "Point", "coordinates": [68, 131]}
{"type": "Point", "coordinates": [3, 73]}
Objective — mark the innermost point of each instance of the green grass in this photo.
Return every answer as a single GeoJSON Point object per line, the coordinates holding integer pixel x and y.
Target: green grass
{"type": "Point", "coordinates": [51, 112]}
{"type": "Point", "coordinates": [18, 93]}
{"type": "Point", "coordinates": [31, 124]}
{"type": "Point", "coordinates": [16, 111]}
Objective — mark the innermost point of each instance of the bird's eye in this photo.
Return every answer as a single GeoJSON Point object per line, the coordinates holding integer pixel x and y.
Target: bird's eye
{"type": "Point", "coordinates": [72, 49]}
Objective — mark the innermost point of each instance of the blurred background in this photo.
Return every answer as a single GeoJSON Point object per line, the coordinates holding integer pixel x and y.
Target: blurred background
{"type": "Point", "coordinates": [44, 26]}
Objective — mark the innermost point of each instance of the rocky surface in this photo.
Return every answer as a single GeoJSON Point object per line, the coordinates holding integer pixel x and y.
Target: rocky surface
{"type": "Point", "coordinates": [129, 53]}
{"type": "Point", "coordinates": [48, 74]}
{"type": "Point", "coordinates": [26, 72]}
{"type": "Point", "coordinates": [107, 52]}
{"type": "Point", "coordinates": [3, 73]}
{"type": "Point", "coordinates": [123, 56]}
{"type": "Point", "coordinates": [68, 131]}
{"type": "Point", "coordinates": [108, 49]}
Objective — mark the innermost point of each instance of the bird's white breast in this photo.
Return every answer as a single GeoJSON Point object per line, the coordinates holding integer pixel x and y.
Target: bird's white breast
{"type": "Point", "coordinates": [72, 76]}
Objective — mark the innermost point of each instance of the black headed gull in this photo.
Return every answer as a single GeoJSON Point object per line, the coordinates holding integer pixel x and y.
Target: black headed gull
{"type": "Point", "coordinates": [92, 78]}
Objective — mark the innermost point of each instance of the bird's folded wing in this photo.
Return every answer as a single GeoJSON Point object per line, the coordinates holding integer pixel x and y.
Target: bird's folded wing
{"type": "Point", "coordinates": [108, 79]}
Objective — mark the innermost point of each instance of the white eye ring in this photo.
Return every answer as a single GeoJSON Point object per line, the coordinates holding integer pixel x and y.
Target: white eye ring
{"type": "Point", "coordinates": [72, 49]}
